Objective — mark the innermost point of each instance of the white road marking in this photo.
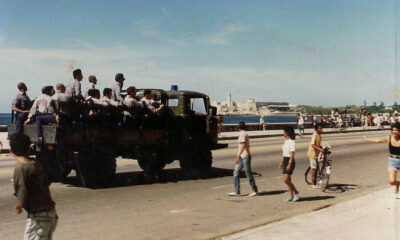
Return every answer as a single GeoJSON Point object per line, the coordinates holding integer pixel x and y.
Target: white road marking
{"type": "Point", "coordinates": [177, 211]}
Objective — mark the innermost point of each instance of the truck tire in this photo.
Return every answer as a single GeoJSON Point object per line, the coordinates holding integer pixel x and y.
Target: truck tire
{"type": "Point", "coordinates": [152, 163]}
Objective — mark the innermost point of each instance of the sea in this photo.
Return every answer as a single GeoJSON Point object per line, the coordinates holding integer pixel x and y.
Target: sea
{"type": "Point", "coordinates": [5, 119]}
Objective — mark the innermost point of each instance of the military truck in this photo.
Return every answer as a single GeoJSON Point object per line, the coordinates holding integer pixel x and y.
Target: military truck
{"type": "Point", "coordinates": [91, 140]}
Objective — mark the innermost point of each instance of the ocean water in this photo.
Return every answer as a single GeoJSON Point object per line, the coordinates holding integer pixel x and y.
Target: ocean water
{"type": "Point", "coordinates": [256, 119]}
{"type": "Point", "coordinates": [5, 118]}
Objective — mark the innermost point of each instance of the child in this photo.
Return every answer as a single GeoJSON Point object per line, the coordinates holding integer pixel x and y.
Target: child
{"type": "Point", "coordinates": [32, 191]}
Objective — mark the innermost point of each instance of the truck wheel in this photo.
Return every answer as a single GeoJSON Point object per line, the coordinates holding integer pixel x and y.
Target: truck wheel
{"type": "Point", "coordinates": [152, 163]}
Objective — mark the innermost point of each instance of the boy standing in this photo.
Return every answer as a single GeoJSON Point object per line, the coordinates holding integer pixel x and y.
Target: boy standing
{"type": "Point", "coordinates": [32, 191]}
{"type": "Point", "coordinates": [313, 151]}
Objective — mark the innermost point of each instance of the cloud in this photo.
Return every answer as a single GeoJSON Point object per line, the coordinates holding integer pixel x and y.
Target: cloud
{"type": "Point", "coordinates": [148, 30]}
{"type": "Point", "coordinates": [227, 30]}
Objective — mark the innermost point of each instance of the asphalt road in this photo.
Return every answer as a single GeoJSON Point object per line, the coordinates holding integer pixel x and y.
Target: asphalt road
{"type": "Point", "coordinates": [179, 208]}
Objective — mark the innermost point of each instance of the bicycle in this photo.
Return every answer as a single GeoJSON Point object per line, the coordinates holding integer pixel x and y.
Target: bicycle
{"type": "Point", "coordinates": [323, 169]}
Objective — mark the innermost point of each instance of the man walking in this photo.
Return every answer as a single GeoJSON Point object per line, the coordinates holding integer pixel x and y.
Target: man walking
{"type": "Point", "coordinates": [243, 159]}
{"type": "Point", "coordinates": [32, 191]}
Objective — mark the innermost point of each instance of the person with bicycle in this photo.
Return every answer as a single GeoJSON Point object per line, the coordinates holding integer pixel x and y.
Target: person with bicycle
{"type": "Point", "coordinates": [287, 164]}
{"type": "Point", "coordinates": [313, 150]}
{"type": "Point", "coordinates": [394, 153]}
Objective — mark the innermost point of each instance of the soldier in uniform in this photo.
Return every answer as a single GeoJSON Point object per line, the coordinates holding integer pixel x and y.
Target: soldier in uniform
{"type": "Point", "coordinates": [92, 84]}
{"type": "Point", "coordinates": [21, 105]}
{"type": "Point", "coordinates": [117, 87]}
{"type": "Point", "coordinates": [74, 88]}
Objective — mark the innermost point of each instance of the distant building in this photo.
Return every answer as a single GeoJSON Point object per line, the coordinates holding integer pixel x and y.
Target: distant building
{"type": "Point", "coordinates": [251, 107]}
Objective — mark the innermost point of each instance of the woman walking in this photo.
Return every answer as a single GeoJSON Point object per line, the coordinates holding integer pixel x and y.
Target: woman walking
{"type": "Point", "coordinates": [288, 163]}
{"type": "Point", "coordinates": [394, 153]}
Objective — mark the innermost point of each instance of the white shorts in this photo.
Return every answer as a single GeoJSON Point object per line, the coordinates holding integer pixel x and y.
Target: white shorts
{"type": "Point", "coordinates": [313, 163]}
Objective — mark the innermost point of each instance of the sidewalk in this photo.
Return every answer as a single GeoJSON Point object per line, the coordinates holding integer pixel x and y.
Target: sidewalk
{"type": "Point", "coordinates": [279, 133]}
{"type": "Point", "coordinates": [369, 217]}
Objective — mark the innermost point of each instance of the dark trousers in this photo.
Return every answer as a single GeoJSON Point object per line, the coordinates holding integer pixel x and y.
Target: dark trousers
{"type": "Point", "coordinates": [20, 119]}
{"type": "Point", "coordinates": [43, 119]}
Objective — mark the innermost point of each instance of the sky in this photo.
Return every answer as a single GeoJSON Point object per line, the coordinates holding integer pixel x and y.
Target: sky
{"type": "Point", "coordinates": [320, 53]}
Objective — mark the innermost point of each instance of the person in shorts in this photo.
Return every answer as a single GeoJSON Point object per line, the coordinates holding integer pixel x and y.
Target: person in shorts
{"type": "Point", "coordinates": [287, 164]}
{"type": "Point", "coordinates": [394, 154]}
{"type": "Point", "coordinates": [32, 191]}
{"type": "Point", "coordinates": [313, 150]}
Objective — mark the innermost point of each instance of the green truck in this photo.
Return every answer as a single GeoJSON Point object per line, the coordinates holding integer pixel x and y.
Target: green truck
{"type": "Point", "coordinates": [185, 130]}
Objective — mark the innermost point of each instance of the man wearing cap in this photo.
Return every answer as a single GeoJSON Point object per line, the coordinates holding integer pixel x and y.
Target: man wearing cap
{"type": "Point", "coordinates": [21, 105]}
{"type": "Point", "coordinates": [117, 87]}
{"type": "Point", "coordinates": [92, 84]}
{"type": "Point", "coordinates": [74, 88]}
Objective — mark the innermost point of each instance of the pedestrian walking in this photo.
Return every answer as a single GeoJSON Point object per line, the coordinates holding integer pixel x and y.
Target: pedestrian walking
{"type": "Point", "coordinates": [300, 124]}
{"type": "Point", "coordinates": [394, 153]}
{"type": "Point", "coordinates": [243, 160]}
{"type": "Point", "coordinates": [288, 164]}
{"type": "Point", "coordinates": [32, 191]}
{"type": "Point", "coordinates": [262, 122]}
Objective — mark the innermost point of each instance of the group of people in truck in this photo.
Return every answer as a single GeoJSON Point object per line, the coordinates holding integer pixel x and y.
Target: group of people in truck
{"type": "Point", "coordinates": [55, 105]}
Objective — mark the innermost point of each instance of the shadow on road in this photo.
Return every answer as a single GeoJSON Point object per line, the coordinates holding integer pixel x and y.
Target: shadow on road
{"type": "Point", "coordinates": [265, 193]}
{"type": "Point", "coordinates": [340, 188]}
{"type": "Point", "coordinates": [124, 179]}
{"type": "Point", "coordinates": [315, 198]}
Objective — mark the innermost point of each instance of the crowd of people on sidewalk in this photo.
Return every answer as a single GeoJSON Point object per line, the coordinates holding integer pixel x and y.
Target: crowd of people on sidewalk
{"type": "Point", "coordinates": [337, 120]}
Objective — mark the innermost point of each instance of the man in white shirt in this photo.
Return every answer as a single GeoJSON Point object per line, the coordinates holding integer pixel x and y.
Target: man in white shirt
{"type": "Point", "coordinates": [243, 159]}
{"type": "Point", "coordinates": [147, 100]}
{"type": "Point", "coordinates": [61, 101]}
{"type": "Point", "coordinates": [131, 101]}
{"type": "Point", "coordinates": [74, 88]}
{"type": "Point", "coordinates": [43, 110]}
{"type": "Point", "coordinates": [117, 87]}
{"type": "Point", "coordinates": [107, 94]}
{"type": "Point", "coordinates": [92, 84]}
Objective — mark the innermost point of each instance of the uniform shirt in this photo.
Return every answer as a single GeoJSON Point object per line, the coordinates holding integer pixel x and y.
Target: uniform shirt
{"type": "Point", "coordinates": [91, 86]}
{"type": "Point", "coordinates": [74, 88]}
{"type": "Point", "coordinates": [110, 101]}
{"type": "Point", "coordinates": [60, 102]}
{"type": "Point", "coordinates": [97, 101]}
{"type": "Point", "coordinates": [316, 140]}
{"type": "Point", "coordinates": [22, 102]}
{"type": "Point", "coordinates": [242, 139]}
{"type": "Point", "coordinates": [133, 103]}
{"type": "Point", "coordinates": [149, 104]}
{"type": "Point", "coordinates": [288, 146]}
{"type": "Point", "coordinates": [42, 105]}
{"type": "Point", "coordinates": [32, 188]}
{"type": "Point", "coordinates": [116, 92]}
{"type": "Point", "coordinates": [61, 97]}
